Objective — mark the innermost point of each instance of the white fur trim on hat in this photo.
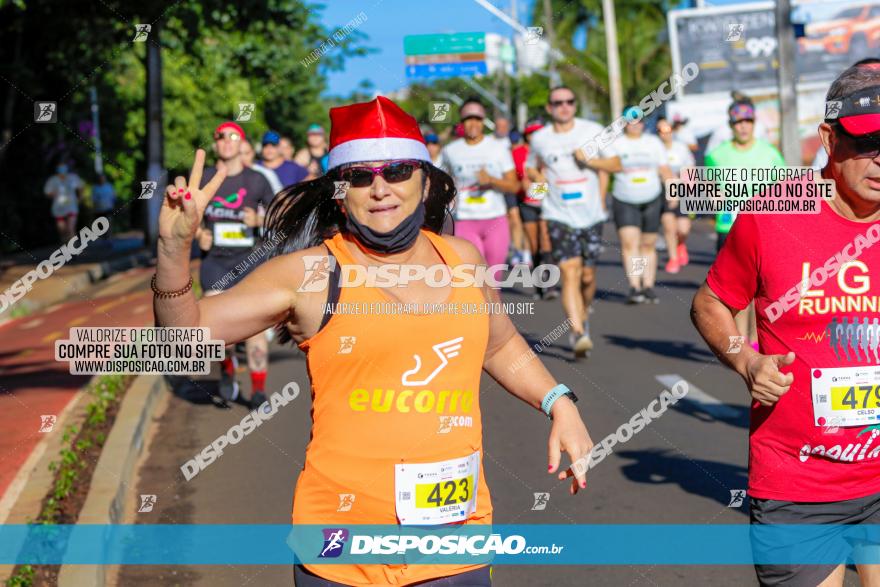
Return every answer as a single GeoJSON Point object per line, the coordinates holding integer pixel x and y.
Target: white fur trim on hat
{"type": "Point", "coordinates": [384, 149]}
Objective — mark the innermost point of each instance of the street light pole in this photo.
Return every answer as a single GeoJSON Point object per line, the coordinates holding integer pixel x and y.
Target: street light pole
{"type": "Point", "coordinates": [155, 142]}
{"type": "Point", "coordinates": [555, 80]}
{"type": "Point", "coordinates": [614, 83]}
{"type": "Point", "coordinates": [789, 136]}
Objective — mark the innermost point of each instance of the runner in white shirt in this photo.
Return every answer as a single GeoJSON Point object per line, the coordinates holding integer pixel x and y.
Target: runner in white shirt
{"type": "Point", "coordinates": [65, 190]}
{"type": "Point", "coordinates": [574, 206]}
{"type": "Point", "coordinates": [483, 170]}
{"type": "Point", "coordinates": [638, 204]}
{"type": "Point", "coordinates": [676, 226]}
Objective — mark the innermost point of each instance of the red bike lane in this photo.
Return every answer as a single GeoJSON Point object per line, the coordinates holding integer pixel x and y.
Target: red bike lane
{"type": "Point", "coordinates": [33, 384]}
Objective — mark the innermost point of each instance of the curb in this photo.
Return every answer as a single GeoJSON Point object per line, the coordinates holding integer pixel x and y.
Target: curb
{"type": "Point", "coordinates": [105, 502]}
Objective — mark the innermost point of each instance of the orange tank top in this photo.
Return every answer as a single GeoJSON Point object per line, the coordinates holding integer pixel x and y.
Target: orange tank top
{"type": "Point", "coordinates": [387, 391]}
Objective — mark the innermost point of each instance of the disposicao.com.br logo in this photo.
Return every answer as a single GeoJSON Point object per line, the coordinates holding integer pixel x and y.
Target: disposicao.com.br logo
{"type": "Point", "coordinates": [430, 544]}
{"type": "Point", "coordinates": [319, 267]}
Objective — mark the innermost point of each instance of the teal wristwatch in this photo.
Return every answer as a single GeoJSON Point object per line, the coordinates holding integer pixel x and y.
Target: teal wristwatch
{"type": "Point", "coordinates": [553, 395]}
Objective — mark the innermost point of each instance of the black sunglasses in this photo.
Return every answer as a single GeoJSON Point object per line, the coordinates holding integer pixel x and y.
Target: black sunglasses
{"type": "Point", "coordinates": [865, 147]}
{"type": "Point", "coordinates": [556, 103]}
{"type": "Point", "coordinates": [394, 172]}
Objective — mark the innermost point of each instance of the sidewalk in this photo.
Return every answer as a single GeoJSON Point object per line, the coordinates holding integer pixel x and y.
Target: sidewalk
{"type": "Point", "coordinates": [98, 261]}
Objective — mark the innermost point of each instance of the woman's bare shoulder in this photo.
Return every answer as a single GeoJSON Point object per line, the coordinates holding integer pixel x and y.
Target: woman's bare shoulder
{"type": "Point", "coordinates": [465, 249]}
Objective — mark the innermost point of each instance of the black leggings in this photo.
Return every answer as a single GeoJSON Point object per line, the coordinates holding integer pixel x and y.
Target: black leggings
{"type": "Point", "coordinates": [302, 577]}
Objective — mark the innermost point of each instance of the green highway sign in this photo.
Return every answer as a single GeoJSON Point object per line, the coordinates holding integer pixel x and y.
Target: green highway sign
{"type": "Point", "coordinates": [454, 43]}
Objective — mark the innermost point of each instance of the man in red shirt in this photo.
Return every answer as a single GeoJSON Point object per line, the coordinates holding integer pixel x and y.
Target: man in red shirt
{"type": "Point", "coordinates": [814, 451]}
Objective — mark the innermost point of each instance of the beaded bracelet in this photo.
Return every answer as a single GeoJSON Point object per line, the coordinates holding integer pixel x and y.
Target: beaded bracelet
{"type": "Point", "coordinates": [169, 294]}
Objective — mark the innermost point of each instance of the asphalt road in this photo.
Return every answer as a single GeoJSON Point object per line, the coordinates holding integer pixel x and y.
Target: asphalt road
{"type": "Point", "coordinates": [680, 469]}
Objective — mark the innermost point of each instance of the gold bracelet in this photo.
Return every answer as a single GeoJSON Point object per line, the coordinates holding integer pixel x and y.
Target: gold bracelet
{"type": "Point", "coordinates": [169, 294]}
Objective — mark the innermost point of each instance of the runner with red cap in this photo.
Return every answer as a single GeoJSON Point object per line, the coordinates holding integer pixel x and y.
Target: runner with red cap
{"type": "Point", "coordinates": [227, 238]}
{"type": "Point", "coordinates": [814, 451]}
{"type": "Point", "coordinates": [401, 406]}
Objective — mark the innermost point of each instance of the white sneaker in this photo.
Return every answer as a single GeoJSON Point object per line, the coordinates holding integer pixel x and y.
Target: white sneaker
{"type": "Point", "coordinates": [580, 345]}
{"type": "Point", "coordinates": [661, 243]}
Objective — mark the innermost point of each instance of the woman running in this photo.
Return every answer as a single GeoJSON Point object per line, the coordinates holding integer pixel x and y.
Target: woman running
{"type": "Point", "coordinates": [378, 407]}
{"type": "Point", "coordinates": [483, 170]}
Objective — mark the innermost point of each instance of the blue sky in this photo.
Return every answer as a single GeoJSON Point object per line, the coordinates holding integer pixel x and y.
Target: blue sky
{"type": "Point", "coordinates": [387, 23]}
{"type": "Point", "coordinates": [389, 20]}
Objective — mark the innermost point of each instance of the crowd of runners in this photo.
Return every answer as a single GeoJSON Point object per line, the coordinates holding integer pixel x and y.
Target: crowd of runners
{"type": "Point", "coordinates": [526, 198]}
{"type": "Point", "coordinates": [529, 197]}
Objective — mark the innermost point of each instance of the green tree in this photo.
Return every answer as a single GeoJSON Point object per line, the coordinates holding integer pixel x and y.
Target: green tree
{"type": "Point", "coordinates": [214, 54]}
{"type": "Point", "coordinates": [644, 51]}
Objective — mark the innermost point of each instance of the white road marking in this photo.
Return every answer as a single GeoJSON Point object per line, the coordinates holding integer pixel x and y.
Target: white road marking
{"type": "Point", "coordinates": [705, 402]}
{"type": "Point", "coordinates": [32, 324]}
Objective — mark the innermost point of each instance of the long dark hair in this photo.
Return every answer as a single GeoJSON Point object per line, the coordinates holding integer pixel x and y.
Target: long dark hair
{"type": "Point", "coordinates": [305, 214]}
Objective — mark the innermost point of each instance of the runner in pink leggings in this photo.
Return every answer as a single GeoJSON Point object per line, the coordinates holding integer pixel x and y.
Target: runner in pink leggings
{"type": "Point", "coordinates": [490, 236]}
{"type": "Point", "coordinates": [483, 171]}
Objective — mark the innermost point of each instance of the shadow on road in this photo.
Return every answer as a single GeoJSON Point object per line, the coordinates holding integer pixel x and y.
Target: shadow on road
{"type": "Point", "coordinates": [692, 285]}
{"type": "Point", "coordinates": [201, 391]}
{"type": "Point", "coordinates": [739, 420]}
{"type": "Point", "coordinates": [667, 348]}
{"type": "Point", "coordinates": [709, 479]}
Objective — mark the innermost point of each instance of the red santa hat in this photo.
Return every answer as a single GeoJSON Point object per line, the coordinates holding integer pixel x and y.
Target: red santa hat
{"type": "Point", "coordinates": [374, 131]}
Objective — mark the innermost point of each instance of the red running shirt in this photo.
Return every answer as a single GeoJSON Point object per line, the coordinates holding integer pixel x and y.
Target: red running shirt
{"type": "Point", "coordinates": [834, 324]}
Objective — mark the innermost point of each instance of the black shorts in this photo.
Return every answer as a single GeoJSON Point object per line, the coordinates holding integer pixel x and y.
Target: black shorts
{"type": "Point", "coordinates": [529, 213]}
{"type": "Point", "coordinates": [677, 210]}
{"type": "Point", "coordinates": [643, 216]}
{"type": "Point", "coordinates": [862, 510]}
{"type": "Point", "coordinates": [481, 577]}
{"type": "Point", "coordinates": [510, 200]}
{"type": "Point", "coordinates": [568, 242]}
{"type": "Point", "coordinates": [222, 272]}
{"type": "Point", "coordinates": [722, 237]}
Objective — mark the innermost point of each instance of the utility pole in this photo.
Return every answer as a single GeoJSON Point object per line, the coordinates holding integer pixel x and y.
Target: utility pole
{"type": "Point", "coordinates": [555, 80]}
{"type": "Point", "coordinates": [789, 135]}
{"type": "Point", "coordinates": [155, 142]}
{"type": "Point", "coordinates": [96, 128]}
{"type": "Point", "coordinates": [614, 85]}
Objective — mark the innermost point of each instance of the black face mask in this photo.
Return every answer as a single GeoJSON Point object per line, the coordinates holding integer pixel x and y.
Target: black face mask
{"type": "Point", "coordinates": [399, 239]}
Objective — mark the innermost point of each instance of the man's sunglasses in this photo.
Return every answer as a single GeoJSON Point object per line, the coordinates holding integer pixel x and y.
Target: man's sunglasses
{"type": "Point", "coordinates": [557, 103]}
{"type": "Point", "coordinates": [394, 172]}
{"type": "Point", "coordinates": [232, 136]}
{"type": "Point", "coordinates": [864, 147]}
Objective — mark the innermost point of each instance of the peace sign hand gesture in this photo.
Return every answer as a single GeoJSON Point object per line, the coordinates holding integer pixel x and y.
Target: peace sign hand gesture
{"type": "Point", "coordinates": [185, 203]}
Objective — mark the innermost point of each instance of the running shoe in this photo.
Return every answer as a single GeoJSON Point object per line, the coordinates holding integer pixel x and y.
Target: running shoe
{"type": "Point", "coordinates": [635, 296]}
{"type": "Point", "coordinates": [228, 385]}
{"type": "Point", "coordinates": [683, 258]}
{"type": "Point", "coordinates": [661, 243]}
{"type": "Point", "coordinates": [580, 345]}
{"type": "Point", "coordinates": [651, 296]}
{"type": "Point", "coordinates": [257, 400]}
{"type": "Point", "coordinates": [672, 266]}
{"type": "Point", "coordinates": [526, 257]}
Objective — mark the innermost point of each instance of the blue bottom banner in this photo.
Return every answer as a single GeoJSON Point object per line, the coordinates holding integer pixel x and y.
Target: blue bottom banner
{"type": "Point", "coordinates": [612, 544]}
